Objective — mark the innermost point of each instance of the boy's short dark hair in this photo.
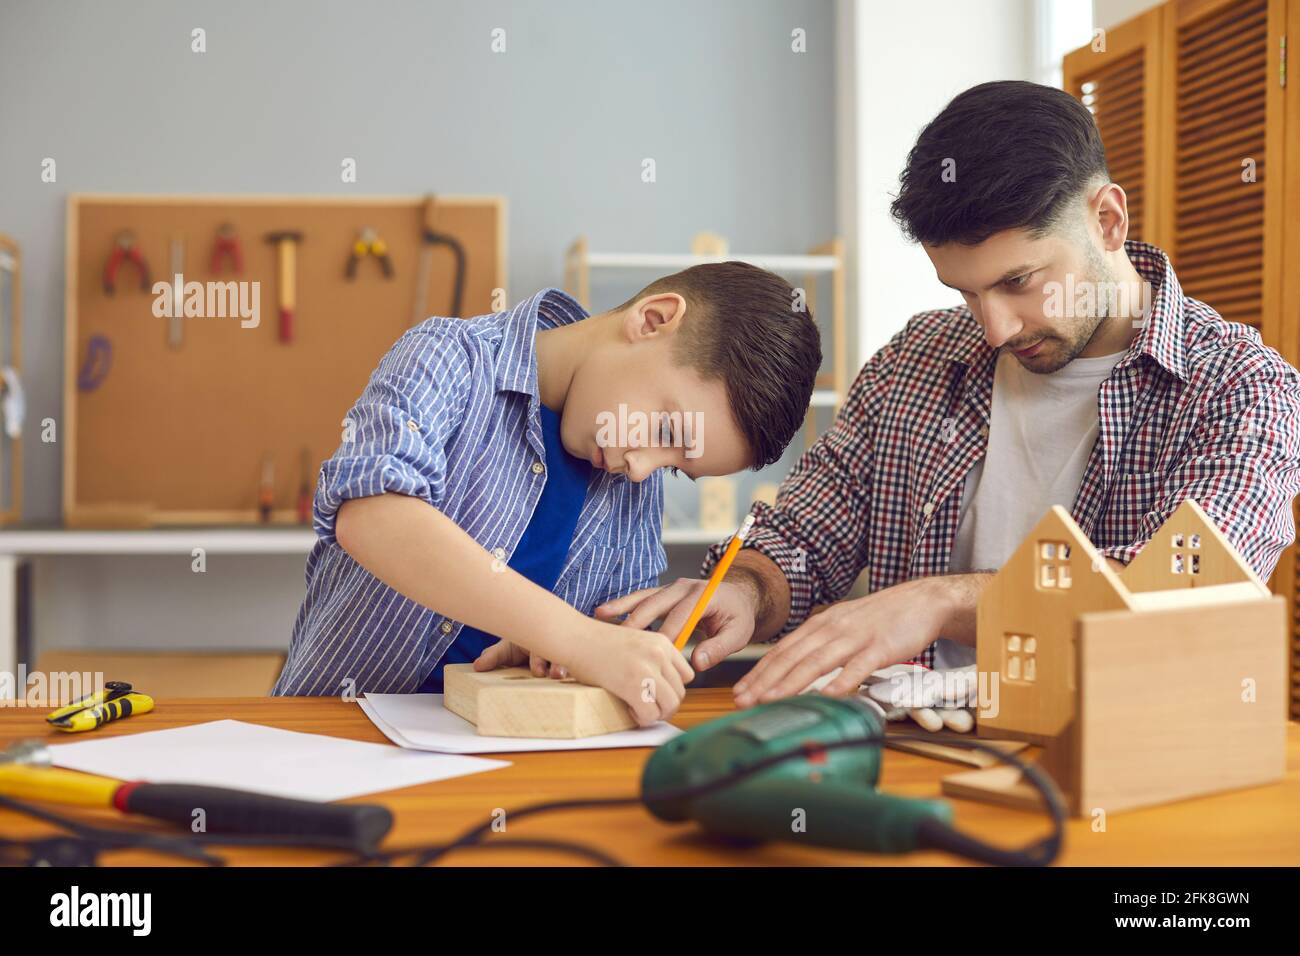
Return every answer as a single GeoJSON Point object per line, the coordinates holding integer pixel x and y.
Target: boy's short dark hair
{"type": "Point", "coordinates": [748, 332]}
{"type": "Point", "coordinates": [1018, 153]}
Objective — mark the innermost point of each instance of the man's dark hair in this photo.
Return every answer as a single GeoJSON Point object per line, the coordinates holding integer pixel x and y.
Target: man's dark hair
{"type": "Point", "coordinates": [1019, 152]}
{"type": "Point", "coordinates": [743, 327]}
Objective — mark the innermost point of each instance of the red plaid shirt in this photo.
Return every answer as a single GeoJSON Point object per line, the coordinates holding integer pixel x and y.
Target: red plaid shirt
{"type": "Point", "coordinates": [1197, 408]}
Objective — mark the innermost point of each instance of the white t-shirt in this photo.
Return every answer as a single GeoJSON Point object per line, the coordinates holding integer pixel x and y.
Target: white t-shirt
{"type": "Point", "coordinates": [1041, 432]}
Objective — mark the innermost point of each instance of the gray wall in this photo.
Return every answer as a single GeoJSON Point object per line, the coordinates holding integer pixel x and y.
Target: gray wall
{"type": "Point", "coordinates": [740, 127]}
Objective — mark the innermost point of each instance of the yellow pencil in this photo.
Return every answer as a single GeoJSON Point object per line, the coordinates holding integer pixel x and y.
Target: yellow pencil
{"type": "Point", "coordinates": [715, 579]}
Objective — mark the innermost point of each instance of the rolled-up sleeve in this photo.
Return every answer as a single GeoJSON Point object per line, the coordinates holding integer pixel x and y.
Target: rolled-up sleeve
{"type": "Point", "coordinates": [1242, 466]}
{"type": "Point", "coordinates": [395, 436]}
{"type": "Point", "coordinates": [816, 533]}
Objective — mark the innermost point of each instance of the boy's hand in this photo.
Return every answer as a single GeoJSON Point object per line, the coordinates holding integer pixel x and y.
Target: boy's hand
{"type": "Point", "coordinates": [507, 654]}
{"type": "Point", "coordinates": [641, 668]}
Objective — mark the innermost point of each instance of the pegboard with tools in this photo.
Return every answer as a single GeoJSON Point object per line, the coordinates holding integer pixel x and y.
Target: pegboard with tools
{"type": "Point", "coordinates": [213, 399]}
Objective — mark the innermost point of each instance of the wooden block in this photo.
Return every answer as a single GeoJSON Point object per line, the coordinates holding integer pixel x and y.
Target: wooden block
{"type": "Point", "coordinates": [511, 702]}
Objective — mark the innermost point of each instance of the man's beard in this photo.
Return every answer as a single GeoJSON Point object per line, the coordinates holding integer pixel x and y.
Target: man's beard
{"type": "Point", "coordinates": [1099, 275]}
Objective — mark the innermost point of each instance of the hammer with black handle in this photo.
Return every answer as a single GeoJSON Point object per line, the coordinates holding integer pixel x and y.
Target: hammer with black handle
{"type": "Point", "coordinates": [26, 774]}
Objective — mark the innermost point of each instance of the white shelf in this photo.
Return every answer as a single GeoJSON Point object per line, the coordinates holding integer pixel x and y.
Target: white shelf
{"type": "Point", "coordinates": [157, 541]}
{"type": "Point", "coordinates": [684, 260]}
{"type": "Point", "coordinates": [694, 536]}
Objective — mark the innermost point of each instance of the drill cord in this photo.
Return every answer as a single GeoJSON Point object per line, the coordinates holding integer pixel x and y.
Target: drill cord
{"type": "Point", "coordinates": [932, 833]}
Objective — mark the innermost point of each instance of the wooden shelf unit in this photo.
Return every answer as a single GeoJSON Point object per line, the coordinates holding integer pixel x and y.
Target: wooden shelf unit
{"type": "Point", "coordinates": [825, 260]}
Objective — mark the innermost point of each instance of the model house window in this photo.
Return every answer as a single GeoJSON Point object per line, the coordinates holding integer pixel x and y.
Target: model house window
{"type": "Point", "coordinates": [1020, 658]}
{"type": "Point", "coordinates": [1053, 564]}
{"type": "Point", "coordinates": [1185, 561]}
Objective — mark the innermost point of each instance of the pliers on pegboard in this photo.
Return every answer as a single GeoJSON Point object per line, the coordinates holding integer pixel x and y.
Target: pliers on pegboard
{"type": "Point", "coordinates": [124, 247]}
{"type": "Point", "coordinates": [227, 246]}
{"type": "Point", "coordinates": [369, 244]}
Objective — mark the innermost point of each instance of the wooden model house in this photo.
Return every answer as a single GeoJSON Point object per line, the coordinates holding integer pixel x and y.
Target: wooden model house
{"type": "Point", "coordinates": [1160, 681]}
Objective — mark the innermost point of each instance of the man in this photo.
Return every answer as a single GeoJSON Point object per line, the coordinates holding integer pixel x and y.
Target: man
{"type": "Point", "coordinates": [1077, 373]}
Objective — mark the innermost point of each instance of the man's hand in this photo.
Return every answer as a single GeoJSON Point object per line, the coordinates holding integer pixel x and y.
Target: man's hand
{"type": "Point", "coordinates": [860, 636]}
{"type": "Point", "coordinates": [728, 622]}
{"type": "Point", "coordinates": [641, 668]}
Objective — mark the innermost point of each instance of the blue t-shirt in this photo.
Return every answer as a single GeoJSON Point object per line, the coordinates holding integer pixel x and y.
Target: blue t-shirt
{"type": "Point", "coordinates": [543, 546]}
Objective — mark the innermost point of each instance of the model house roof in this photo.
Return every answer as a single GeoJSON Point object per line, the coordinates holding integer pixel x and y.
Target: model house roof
{"type": "Point", "coordinates": [1187, 562]}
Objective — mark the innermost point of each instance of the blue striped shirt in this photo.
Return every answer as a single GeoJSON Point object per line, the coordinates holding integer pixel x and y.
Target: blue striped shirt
{"type": "Point", "coordinates": [452, 416]}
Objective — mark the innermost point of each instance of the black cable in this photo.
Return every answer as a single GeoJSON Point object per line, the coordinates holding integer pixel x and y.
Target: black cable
{"type": "Point", "coordinates": [521, 843]}
{"type": "Point", "coordinates": [429, 853]}
{"type": "Point", "coordinates": [944, 837]}
{"type": "Point", "coordinates": [933, 834]}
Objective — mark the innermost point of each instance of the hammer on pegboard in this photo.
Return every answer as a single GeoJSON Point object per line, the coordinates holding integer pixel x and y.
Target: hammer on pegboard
{"type": "Point", "coordinates": [286, 246]}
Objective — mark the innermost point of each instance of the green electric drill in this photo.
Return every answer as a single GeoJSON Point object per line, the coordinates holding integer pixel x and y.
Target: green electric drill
{"type": "Point", "coordinates": [786, 771]}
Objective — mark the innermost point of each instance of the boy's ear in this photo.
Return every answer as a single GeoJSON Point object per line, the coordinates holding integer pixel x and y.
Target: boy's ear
{"type": "Point", "coordinates": [656, 316]}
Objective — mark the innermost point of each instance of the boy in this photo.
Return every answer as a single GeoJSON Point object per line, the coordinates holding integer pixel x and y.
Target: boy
{"type": "Point", "coordinates": [499, 478]}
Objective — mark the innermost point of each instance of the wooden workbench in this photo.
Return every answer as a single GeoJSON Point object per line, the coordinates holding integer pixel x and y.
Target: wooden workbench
{"type": "Point", "coordinates": [1249, 827]}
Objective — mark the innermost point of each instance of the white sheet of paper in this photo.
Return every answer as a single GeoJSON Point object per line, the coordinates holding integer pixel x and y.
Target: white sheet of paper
{"type": "Point", "coordinates": [420, 722]}
{"type": "Point", "coordinates": [282, 763]}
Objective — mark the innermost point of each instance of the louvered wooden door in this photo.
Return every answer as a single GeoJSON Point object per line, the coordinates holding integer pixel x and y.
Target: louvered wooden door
{"type": "Point", "coordinates": [1223, 200]}
{"type": "Point", "coordinates": [1190, 101]}
{"type": "Point", "coordinates": [1118, 77]}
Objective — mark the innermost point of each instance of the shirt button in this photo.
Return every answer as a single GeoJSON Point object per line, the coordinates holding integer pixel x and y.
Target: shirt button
{"type": "Point", "coordinates": [984, 431]}
{"type": "Point", "coordinates": [499, 553]}
{"type": "Point", "coordinates": [928, 509]}
{"type": "Point", "coordinates": [538, 468]}
{"type": "Point", "coordinates": [410, 423]}
{"type": "Point", "coordinates": [445, 627]}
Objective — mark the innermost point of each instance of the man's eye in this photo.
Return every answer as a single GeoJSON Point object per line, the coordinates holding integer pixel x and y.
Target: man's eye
{"type": "Point", "coordinates": [1019, 282]}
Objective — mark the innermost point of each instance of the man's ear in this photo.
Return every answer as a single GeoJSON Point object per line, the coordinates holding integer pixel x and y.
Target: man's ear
{"type": "Point", "coordinates": [1111, 209]}
{"type": "Point", "coordinates": [656, 316]}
